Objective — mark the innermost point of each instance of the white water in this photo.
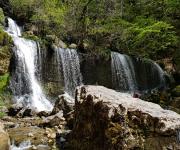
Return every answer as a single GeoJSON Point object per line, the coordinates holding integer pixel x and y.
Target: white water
{"type": "Point", "coordinates": [22, 146]}
{"type": "Point", "coordinates": [69, 60]}
{"type": "Point", "coordinates": [123, 75]}
{"type": "Point", "coordinates": [26, 51]}
{"type": "Point", "coordinates": [13, 28]}
{"type": "Point", "coordinates": [26, 145]}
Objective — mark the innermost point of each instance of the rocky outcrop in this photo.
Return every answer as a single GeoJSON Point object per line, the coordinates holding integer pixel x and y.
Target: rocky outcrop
{"type": "Point", "coordinates": [106, 119]}
{"type": "Point", "coordinates": [4, 138]}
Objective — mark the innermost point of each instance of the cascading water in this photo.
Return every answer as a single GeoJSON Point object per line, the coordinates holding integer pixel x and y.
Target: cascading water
{"type": "Point", "coordinates": [22, 146]}
{"type": "Point", "coordinates": [123, 75]}
{"type": "Point", "coordinates": [24, 84]}
{"type": "Point", "coordinates": [160, 73]}
{"type": "Point", "coordinates": [68, 59]}
{"type": "Point", "coordinates": [135, 75]}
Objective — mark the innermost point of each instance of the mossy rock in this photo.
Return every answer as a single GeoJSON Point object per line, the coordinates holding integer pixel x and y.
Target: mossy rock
{"type": "Point", "coordinates": [5, 51]}
{"type": "Point", "coordinates": [176, 91]}
{"type": "Point", "coordinates": [31, 36]}
{"type": "Point", "coordinates": [5, 39]}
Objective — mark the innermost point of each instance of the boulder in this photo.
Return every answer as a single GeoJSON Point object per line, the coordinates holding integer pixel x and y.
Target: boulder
{"type": "Point", "coordinates": [61, 44]}
{"type": "Point", "coordinates": [4, 138]}
{"type": "Point", "coordinates": [106, 119]}
{"type": "Point", "coordinates": [73, 46]}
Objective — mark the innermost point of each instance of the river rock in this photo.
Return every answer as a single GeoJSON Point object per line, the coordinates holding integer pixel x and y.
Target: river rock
{"type": "Point", "coordinates": [15, 109]}
{"type": "Point", "coordinates": [54, 120]}
{"type": "Point", "coordinates": [43, 113]}
{"type": "Point", "coordinates": [4, 138]}
{"type": "Point", "coordinates": [106, 119]}
{"type": "Point", "coordinates": [33, 134]}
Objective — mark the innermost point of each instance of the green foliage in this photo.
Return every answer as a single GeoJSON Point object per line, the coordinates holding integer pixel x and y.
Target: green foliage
{"type": "Point", "coordinates": [153, 41]}
{"type": "Point", "coordinates": [46, 15]}
{"type": "Point", "coordinates": [148, 28]}
{"type": "Point", "coordinates": [24, 9]}
{"type": "Point", "coordinates": [49, 17]}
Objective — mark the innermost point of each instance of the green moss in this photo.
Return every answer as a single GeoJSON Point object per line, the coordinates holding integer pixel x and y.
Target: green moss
{"type": "Point", "coordinates": [2, 114]}
{"type": "Point", "coordinates": [2, 18]}
{"type": "Point", "coordinates": [3, 81]}
{"type": "Point", "coordinates": [5, 96]}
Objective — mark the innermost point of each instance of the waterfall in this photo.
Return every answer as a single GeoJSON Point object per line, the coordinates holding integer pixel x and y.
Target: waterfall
{"type": "Point", "coordinates": [68, 60]}
{"type": "Point", "coordinates": [123, 75]}
{"type": "Point", "coordinates": [135, 75]}
{"type": "Point", "coordinates": [24, 84]}
{"type": "Point", "coordinates": [160, 73]}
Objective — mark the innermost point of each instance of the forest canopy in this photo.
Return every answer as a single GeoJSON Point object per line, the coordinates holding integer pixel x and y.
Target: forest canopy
{"type": "Point", "coordinates": [149, 28]}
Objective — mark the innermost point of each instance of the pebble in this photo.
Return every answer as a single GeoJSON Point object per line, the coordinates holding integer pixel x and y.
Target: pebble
{"type": "Point", "coordinates": [30, 134]}
{"type": "Point", "coordinates": [50, 141]}
{"type": "Point", "coordinates": [62, 139]}
{"type": "Point", "coordinates": [34, 147]}
{"type": "Point", "coordinates": [53, 135]}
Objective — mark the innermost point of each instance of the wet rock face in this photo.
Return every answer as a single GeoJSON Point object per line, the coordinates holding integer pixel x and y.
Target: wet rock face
{"type": "Point", "coordinates": [95, 70]}
{"type": "Point", "coordinates": [105, 119]}
{"type": "Point", "coordinates": [51, 78]}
